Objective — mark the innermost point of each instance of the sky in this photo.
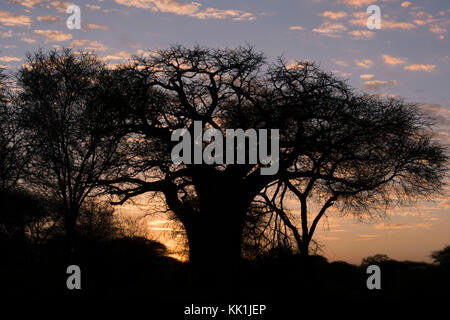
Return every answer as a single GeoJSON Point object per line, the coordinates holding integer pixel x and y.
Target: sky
{"type": "Point", "coordinates": [407, 57]}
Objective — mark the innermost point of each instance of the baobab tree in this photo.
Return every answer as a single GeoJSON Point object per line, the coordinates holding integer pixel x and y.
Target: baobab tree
{"type": "Point", "coordinates": [334, 141]}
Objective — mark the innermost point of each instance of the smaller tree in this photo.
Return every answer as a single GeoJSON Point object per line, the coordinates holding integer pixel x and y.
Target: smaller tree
{"type": "Point", "coordinates": [14, 152]}
{"type": "Point", "coordinates": [360, 153]}
{"type": "Point", "coordinates": [65, 103]}
{"type": "Point", "coordinates": [442, 257]}
{"type": "Point", "coordinates": [375, 259]}
{"type": "Point", "coordinates": [20, 211]}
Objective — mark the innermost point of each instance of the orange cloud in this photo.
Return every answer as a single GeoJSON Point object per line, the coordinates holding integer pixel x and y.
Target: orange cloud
{"type": "Point", "coordinates": [379, 84]}
{"type": "Point", "coordinates": [365, 63]}
{"type": "Point", "coordinates": [48, 18]}
{"type": "Point", "coordinates": [9, 59]}
{"type": "Point", "coordinates": [397, 25]}
{"type": "Point", "coordinates": [28, 40]}
{"type": "Point", "coordinates": [93, 7]}
{"type": "Point", "coordinates": [6, 34]}
{"type": "Point", "coordinates": [406, 4]}
{"type": "Point", "coordinates": [192, 9]}
{"type": "Point", "coordinates": [393, 60]}
{"type": "Point", "coordinates": [334, 15]}
{"type": "Point", "coordinates": [296, 28]}
{"type": "Point", "coordinates": [330, 29]}
{"type": "Point", "coordinates": [11, 19]}
{"type": "Point", "coordinates": [421, 67]}
{"type": "Point", "coordinates": [359, 3]}
{"type": "Point", "coordinates": [437, 29]}
{"type": "Point", "coordinates": [361, 34]}
{"type": "Point", "coordinates": [89, 45]}
{"type": "Point", "coordinates": [366, 76]}
{"type": "Point", "coordinates": [341, 63]}
{"type": "Point", "coordinates": [27, 3]}
{"type": "Point", "coordinates": [61, 6]}
{"type": "Point", "coordinates": [122, 55]}
{"type": "Point", "coordinates": [54, 35]}
{"type": "Point", "coordinates": [96, 27]}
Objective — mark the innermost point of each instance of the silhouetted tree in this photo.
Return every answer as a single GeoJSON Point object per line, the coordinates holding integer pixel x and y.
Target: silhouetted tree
{"type": "Point", "coordinates": [65, 98]}
{"type": "Point", "coordinates": [375, 259]}
{"type": "Point", "coordinates": [97, 221]}
{"type": "Point", "coordinates": [20, 210]}
{"type": "Point", "coordinates": [442, 257]}
{"type": "Point", "coordinates": [360, 153]}
{"type": "Point", "coordinates": [14, 153]}
{"type": "Point", "coordinates": [342, 146]}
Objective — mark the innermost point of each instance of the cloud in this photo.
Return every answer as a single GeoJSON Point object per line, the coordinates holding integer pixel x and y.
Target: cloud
{"type": "Point", "coordinates": [406, 4]}
{"type": "Point", "coordinates": [361, 34]}
{"type": "Point", "coordinates": [89, 45]}
{"type": "Point", "coordinates": [28, 40]}
{"type": "Point", "coordinates": [368, 236]}
{"type": "Point", "coordinates": [93, 7]}
{"type": "Point", "coordinates": [359, 3]}
{"type": "Point", "coordinates": [364, 63]}
{"type": "Point", "coordinates": [397, 226]}
{"type": "Point", "coordinates": [296, 28]}
{"type": "Point", "coordinates": [393, 60]}
{"type": "Point", "coordinates": [401, 226]}
{"type": "Point", "coordinates": [61, 6]}
{"type": "Point", "coordinates": [437, 29]}
{"type": "Point", "coordinates": [6, 34]}
{"type": "Point", "coordinates": [11, 19]}
{"type": "Point", "coordinates": [54, 35]}
{"type": "Point", "coordinates": [48, 18]}
{"type": "Point", "coordinates": [421, 67]}
{"type": "Point", "coordinates": [122, 55]}
{"type": "Point", "coordinates": [334, 15]}
{"type": "Point", "coordinates": [420, 22]}
{"type": "Point", "coordinates": [212, 13]}
{"type": "Point", "coordinates": [9, 59]}
{"type": "Point", "coordinates": [341, 63]}
{"type": "Point", "coordinates": [367, 76]}
{"type": "Point", "coordinates": [330, 29]}
{"type": "Point", "coordinates": [192, 9]}
{"type": "Point", "coordinates": [96, 27]}
{"type": "Point", "coordinates": [26, 3]}
{"type": "Point", "coordinates": [379, 84]}
{"type": "Point", "coordinates": [397, 25]}
{"type": "Point", "coordinates": [342, 73]}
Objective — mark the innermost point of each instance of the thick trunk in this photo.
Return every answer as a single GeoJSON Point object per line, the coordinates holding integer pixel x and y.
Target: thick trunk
{"type": "Point", "coordinates": [215, 244]}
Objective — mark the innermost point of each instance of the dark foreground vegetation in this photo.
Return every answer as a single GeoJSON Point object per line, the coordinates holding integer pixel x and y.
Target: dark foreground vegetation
{"type": "Point", "coordinates": [137, 267]}
{"type": "Point", "coordinates": [116, 263]}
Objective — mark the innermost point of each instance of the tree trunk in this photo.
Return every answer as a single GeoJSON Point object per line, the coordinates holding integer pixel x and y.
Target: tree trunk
{"type": "Point", "coordinates": [215, 237]}
{"type": "Point", "coordinates": [304, 247]}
